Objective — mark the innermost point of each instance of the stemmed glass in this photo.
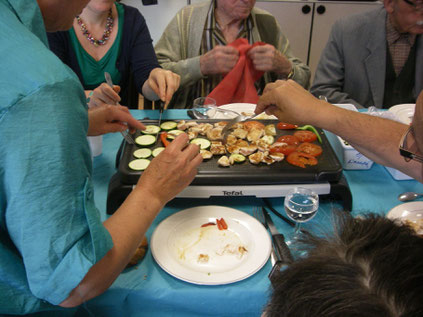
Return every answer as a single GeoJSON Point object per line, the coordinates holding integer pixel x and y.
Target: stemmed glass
{"type": "Point", "coordinates": [204, 107]}
{"type": "Point", "coordinates": [301, 205]}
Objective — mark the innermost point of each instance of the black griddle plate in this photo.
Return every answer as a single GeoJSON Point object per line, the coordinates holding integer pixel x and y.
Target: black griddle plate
{"type": "Point", "coordinates": [209, 173]}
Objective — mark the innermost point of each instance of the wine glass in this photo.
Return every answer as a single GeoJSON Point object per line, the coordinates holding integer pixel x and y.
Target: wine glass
{"type": "Point", "coordinates": [301, 205]}
{"type": "Point", "coordinates": [204, 108]}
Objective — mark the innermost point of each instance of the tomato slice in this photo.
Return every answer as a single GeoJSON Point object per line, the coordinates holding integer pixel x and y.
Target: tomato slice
{"type": "Point", "coordinates": [310, 148]}
{"type": "Point", "coordinates": [301, 159]}
{"type": "Point", "coordinates": [253, 125]}
{"type": "Point", "coordinates": [286, 126]}
{"type": "Point", "coordinates": [289, 139]}
{"type": "Point", "coordinates": [208, 224]}
{"type": "Point", "coordinates": [284, 149]}
{"type": "Point", "coordinates": [305, 136]}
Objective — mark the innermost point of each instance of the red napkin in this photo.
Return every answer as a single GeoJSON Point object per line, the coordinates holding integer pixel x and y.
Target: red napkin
{"type": "Point", "coordinates": [238, 84]}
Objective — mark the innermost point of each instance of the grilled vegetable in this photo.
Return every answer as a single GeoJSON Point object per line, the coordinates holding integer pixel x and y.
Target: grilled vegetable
{"type": "Point", "coordinates": [145, 140]}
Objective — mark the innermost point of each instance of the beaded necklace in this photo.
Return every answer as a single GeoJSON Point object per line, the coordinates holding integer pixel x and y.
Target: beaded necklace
{"type": "Point", "coordinates": [106, 34]}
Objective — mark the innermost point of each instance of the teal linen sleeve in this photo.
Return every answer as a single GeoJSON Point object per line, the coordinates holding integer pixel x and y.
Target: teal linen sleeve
{"type": "Point", "coordinates": [50, 215]}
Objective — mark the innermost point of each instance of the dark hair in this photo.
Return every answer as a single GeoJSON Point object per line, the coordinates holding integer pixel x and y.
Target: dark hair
{"type": "Point", "coordinates": [369, 267]}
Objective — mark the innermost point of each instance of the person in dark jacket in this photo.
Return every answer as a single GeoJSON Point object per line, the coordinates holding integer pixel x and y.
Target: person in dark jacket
{"type": "Point", "coordinates": [112, 37]}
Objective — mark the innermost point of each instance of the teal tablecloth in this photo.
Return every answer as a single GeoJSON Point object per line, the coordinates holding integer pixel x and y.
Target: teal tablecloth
{"type": "Point", "coordinates": [147, 290]}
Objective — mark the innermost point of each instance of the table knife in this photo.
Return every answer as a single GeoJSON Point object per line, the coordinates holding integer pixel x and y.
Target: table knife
{"type": "Point", "coordinates": [278, 239]}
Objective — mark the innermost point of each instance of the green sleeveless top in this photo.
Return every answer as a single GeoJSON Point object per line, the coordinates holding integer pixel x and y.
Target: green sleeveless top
{"type": "Point", "coordinates": [92, 70]}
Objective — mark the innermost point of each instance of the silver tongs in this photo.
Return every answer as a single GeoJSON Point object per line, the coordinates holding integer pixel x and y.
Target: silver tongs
{"type": "Point", "coordinates": [227, 129]}
{"type": "Point", "coordinates": [125, 134]}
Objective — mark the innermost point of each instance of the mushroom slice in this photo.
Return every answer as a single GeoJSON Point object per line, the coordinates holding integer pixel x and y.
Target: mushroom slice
{"type": "Point", "coordinates": [270, 130]}
{"type": "Point", "coordinates": [205, 127]}
{"type": "Point", "coordinates": [262, 145]}
{"type": "Point", "coordinates": [277, 156]}
{"type": "Point", "coordinates": [192, 135]}
{"type": "Point", "coordinates": [224, 161]}
{"type": "Point", "coordinates": [240, 133]}
{"type": "Point", "coordinates": [214, 134]}
{"type": "Point", "coordinates": [233, 149]}
{"type": "Point", "coordinates": [206, 154]}
{"type": "Point", "coordinates": [182, 125]}
{"type": "Point", "coordinates": [255, 134]}
{"type": "Point", "coordinates": [256, 158]}
{"type": "Point", "coordinates": [217, 148]}
{"type": "Point", "coordinates": [247, 150]}
{"type": "Point", "coordinates": [231, 139]}
{"type": "Point", "coordinates": [267, 158]}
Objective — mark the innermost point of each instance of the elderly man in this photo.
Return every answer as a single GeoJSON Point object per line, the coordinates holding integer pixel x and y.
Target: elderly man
{"type": "Point", "coordinates": [387, 142]}
{"type": "Point", "coordinates": [194, 45]}
{"type": "Point", "coordinates": [375, 58]}
{"type": "Point", "coordinates": [54, 249]}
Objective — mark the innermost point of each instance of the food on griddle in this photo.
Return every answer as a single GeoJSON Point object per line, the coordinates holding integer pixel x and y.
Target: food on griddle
{"type": "Point", "coordinates": [214, 134]}
{"type": "Point", "coordinates": [142, 153]}
{"type": "Point", "coordinates": [206, 154]}
{"type": "Point", "coordinates": [217, 148]}
{"type": "Point", "coordinates": [204, 144]}
{"type": "Point", "coordinates": [139, 164]}
{"type": "Point", "coordinates": [168, 125]}
{"type": "Point", "coordinates": [157, 151]}
{"type": "Point", "coordinates": [172, 134]}
{"type": "Point", "coordinates": [151, 129]}
{"type": "Point", "coordinates": [256, 158]}
{"type": "Point", "coordinates": [310, 148]}
{"type": "Point", "coordinates": [270, 129]}
{"type": "Point", "coordinates": [301, 159]}
{"type": "Point", "coordinates": [145, 140]}
{"type": "Point", "coordinates": [223, 161]}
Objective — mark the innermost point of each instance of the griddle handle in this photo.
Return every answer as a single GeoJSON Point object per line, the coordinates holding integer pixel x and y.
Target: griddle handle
{"type": "Point", "coordinates": [119, 154]}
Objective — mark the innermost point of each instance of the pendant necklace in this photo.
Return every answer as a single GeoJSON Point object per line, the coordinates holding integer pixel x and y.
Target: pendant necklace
{"type": "Point", "coordinates": [106, 34]}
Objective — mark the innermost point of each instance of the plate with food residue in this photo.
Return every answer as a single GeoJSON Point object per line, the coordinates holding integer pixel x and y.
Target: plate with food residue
{"type": "Point", "coordinates": [410, 214]}
{"type": "Point", "coordinates": [210, 245]}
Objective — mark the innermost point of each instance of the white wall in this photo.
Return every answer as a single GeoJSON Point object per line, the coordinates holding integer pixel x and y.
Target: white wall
{"type": "Point", "coordinates": [158, 16]}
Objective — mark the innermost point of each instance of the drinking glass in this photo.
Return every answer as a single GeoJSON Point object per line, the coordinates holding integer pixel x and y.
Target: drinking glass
{"type": "Point", "coordinates": [301, 205]}
{"type": "Point", "coordinates": [204, 108]}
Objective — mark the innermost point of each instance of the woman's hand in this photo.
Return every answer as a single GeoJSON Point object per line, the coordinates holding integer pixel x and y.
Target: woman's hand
{"type": "Point", "coordinates": [104, 95]}
{"type": "Point", "coordinates": [163, 83]}
{"type": "Point", "coordinates": [110, 118]}
{"type": "Point", "coordinates": [171, 171]}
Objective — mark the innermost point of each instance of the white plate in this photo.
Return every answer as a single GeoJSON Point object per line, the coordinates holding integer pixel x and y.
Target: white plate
{"type": "Point", "coordinates": [403, 112]}
{"type": "Point", "coordinates": [411, 211]}
{"type": "Point", "coordinates": [242, 108]}
{"type": "Point", "coordinates": [179, 239]}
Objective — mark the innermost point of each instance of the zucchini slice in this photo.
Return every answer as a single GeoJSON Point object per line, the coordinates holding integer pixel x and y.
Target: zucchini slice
{"type": "Point", "coordinates": [172, 134]}
{"type": "Point", "coordinates": [203, 143]}
{"type": "Point", "coordinates": [145, 140]}
{"type": "Point", "coordinates": [151, 129]}
{"type": "Point", "coordinates": [139, 164]}
{"type": "Point", "coordinates": [237, 158]}
{"type": "Point", "coordinates": [142, 153]}
{"type": "Point", "coordinates": [158, 150]}
{"type": "Point", "coordinates": [168, 125]}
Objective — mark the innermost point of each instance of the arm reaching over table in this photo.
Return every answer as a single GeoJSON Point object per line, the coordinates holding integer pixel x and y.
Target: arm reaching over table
{"type": "Point", "coordinates": [110, 118]}
{"type": "Point", "coordinates": [291, 103]}
{"type": "Point", "coordinates": [167, 175]}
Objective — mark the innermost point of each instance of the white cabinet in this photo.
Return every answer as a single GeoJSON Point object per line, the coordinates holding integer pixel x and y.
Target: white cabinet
{"type": "Point", "coordinates": [158, 16]}
{"type": "Point", "coordinates": [307, 24]}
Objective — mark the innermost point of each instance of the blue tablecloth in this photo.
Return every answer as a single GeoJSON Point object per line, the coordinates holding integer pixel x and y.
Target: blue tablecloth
{"type": "Point", "coordinates": [146, 290]}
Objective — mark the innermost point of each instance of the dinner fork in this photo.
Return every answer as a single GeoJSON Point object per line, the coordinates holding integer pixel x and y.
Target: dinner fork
{"type": "Point", "coordinates": [125, 133]}
{"type": "Point", "coordinates": [226, 130]}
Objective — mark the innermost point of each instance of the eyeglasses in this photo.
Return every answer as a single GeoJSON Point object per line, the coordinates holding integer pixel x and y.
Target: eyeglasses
{"type": "Point", "coordinates": [406, 153]}
{"type": "Point", "coordinates": [418, 4]}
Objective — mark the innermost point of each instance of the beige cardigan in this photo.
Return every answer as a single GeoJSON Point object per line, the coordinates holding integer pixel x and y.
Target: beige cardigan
{"type": "Point", "coordinates": [179, 46]}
